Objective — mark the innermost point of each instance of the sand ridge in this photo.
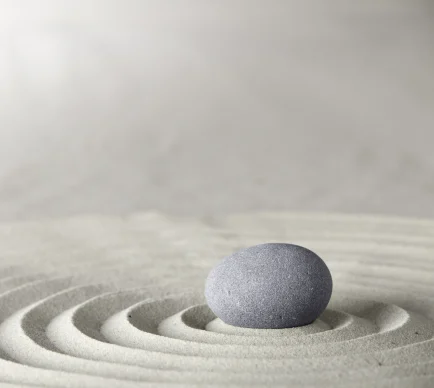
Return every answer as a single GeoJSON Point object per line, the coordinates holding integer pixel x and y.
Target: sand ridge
{"type": "Point", "coordinates": [92, 321]}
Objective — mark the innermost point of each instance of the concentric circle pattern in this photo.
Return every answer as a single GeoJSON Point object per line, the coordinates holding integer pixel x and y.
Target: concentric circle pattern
{"type": "Point", "coordinates": [118, 302]}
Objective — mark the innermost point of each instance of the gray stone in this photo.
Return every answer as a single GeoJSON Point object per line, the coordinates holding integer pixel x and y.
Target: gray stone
{"type": "Point", "coordinates": [269, 286]}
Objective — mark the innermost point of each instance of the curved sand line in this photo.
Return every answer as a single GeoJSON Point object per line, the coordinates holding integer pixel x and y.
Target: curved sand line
{"type": "Point", "coordinates": [187, 325]}
{"type": "Point", "coordinates": [218, 326]}
{"type": "Point", "coordinates": [379, 326]}
{"type": "Point", "coordinates": [132, 328]}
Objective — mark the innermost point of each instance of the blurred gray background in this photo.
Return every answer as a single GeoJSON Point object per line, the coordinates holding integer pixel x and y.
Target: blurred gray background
{"type": "Point", "coordinates": [201, 107]}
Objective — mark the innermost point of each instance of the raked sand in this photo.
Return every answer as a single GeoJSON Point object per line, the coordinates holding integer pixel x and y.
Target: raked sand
{"type": "Point", "coordinates": [118, 302]}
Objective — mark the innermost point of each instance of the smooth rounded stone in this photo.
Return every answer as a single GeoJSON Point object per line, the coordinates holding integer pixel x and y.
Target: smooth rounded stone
{"type": "Point", "coordinates": [269, 286]}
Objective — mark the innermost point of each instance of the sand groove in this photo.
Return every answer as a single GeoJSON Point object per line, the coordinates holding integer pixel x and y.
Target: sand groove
{"type": "Point", "coordinates": [379, 326]}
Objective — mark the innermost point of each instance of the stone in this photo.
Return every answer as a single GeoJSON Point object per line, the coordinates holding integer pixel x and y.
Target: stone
{"type": "Point", "coordinates": [269, 286]}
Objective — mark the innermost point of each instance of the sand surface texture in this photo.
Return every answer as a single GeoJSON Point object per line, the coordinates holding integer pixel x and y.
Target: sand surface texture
{"type": "Point", "coordinates": [103, 301]}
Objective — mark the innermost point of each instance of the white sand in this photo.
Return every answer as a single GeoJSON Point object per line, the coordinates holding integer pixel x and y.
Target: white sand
{"type": "Point", "coordinates": [99, 301]}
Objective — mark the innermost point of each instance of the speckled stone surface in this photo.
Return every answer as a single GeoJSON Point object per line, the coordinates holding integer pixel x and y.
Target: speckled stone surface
{"type": "Point", "coordinates": [269, 286]}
